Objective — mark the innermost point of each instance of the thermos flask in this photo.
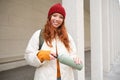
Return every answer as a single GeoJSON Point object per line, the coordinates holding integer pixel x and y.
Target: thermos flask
{"type": "Point", "coordinates": [68, 60]}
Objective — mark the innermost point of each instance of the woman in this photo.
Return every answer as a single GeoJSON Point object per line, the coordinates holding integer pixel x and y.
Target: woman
{"type": "Point", "coordinates": [56, 41]}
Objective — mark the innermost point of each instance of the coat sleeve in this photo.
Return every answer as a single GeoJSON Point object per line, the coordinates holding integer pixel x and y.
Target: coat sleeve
{"type": "Point", "coordinates": [32, 50]}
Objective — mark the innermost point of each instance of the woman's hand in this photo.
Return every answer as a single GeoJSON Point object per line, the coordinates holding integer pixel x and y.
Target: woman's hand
{"type": "Point", "coordinates": [46, 55]}
{"type": "Point", "coordinates": [53, 55]}
{"type": "Point", "coordinates": [77, 60]}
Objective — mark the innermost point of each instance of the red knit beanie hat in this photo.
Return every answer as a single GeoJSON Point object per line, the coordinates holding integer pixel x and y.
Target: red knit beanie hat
{"type": "Point", "coordinates": [57, 8]}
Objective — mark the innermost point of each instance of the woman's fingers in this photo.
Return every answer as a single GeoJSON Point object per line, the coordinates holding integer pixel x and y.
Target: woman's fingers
{"type": "Point", "coordinates": [77, 60]}
{"type": "Point", "coordinates": [53, 56]}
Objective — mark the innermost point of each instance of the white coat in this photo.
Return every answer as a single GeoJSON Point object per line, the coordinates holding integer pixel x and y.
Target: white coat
{"type": "Point", "coordinates": [47, 70]}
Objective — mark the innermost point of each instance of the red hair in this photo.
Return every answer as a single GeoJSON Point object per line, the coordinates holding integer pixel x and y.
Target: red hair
{"type": "Point", "coordinates": [50, 33]}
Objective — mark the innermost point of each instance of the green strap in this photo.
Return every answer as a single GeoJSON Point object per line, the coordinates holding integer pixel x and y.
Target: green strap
{"type": "Point", "coordinates": [41, 40]}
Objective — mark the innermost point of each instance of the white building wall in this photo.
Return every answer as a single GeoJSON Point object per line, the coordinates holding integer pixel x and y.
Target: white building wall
{"type": "Point", "coordinates": [105, 17]}
{"type": "Point", "coordinates": [96, 40]}
{"type": "Point", "coordinates": [18, 20]}
{"type": "Point", "coordinates": [114, 30]}
{"type": "Point", "coordinates": [106, 35]}
{"type": "Point", "coordinates": [111, 38]}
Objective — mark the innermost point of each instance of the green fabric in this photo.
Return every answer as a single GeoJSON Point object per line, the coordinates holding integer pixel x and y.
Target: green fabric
{"type": "Point", "coordinates": [40, 39]}
{"type": "Point", "coordinates": [59, 78]}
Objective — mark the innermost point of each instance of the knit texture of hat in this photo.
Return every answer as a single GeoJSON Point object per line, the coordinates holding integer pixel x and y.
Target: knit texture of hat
{"type": "Point", "coordinates": [57, 8]}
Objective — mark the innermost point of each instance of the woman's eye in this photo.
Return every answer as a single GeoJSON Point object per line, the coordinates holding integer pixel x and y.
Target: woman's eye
{"type": "Point", "coordinates": [54, 15]}
{"type": "Point", "coordinates": [61, 17]}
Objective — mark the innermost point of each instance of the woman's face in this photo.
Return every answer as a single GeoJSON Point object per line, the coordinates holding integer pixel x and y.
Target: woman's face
{"type": "Point", "coordinates": [56, 19]}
